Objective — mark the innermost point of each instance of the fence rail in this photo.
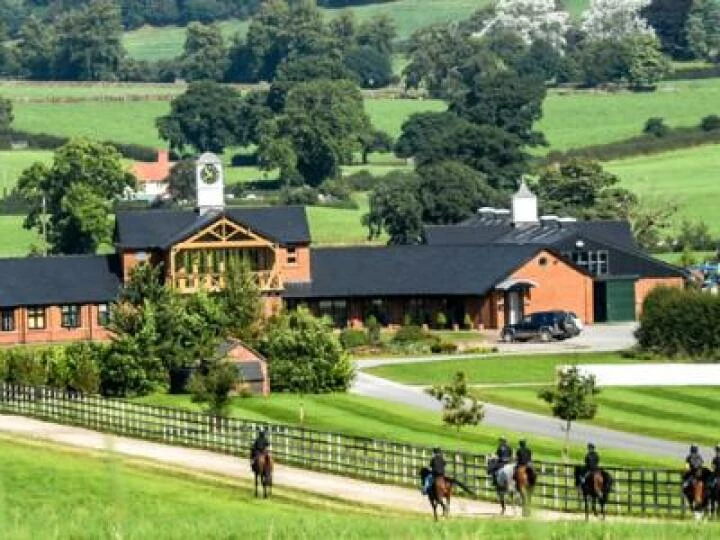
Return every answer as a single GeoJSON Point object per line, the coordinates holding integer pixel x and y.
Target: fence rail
{"type": "Point", "coordinates": [650, 492]}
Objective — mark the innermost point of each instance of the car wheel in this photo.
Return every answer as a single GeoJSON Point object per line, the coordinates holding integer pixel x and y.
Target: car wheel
{"type": "Point", "coordinates": [508, 337]}
{"type": "Point", "coordinates": [545, 336]}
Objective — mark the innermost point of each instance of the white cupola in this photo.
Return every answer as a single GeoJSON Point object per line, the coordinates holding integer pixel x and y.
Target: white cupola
{"type": "Point", "coordinates": [210, 183]}
{"type": "Point", "coordinates": [524, 206]}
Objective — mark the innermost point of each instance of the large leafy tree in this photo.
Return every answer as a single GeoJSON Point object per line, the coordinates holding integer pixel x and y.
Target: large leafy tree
{"type": "Point", "coordinates": [36, 49]}
{"type": "Point", "coordinates": [396, 210]}
{"type": "Point", "coordinates": [323, 121]}
{"type": "Point", "coordinates": [615, 19]}
{"type": "Point", "coordinates": [305, 355]}
{"type": "Point", "coordinates": [702, 30]}
{"type": "Point", "coordinates": [89, 42]}
{"type": "Point", "coordinates": [533, 20]}
{"type": "Point", "coordinates": [206, 117]}
{"type": "Point", "coordinates": [435, 137]}
{"type": "Point", "coordinates": [204, 55]}
{"type": "Point", "coordinates": [669, 19]}
{"type": "Point", "coordinates": [78, 189]}
{"type": "Point", "coordinates": [450, 192]}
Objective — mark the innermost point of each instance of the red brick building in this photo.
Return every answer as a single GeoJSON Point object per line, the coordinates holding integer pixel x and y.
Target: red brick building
{"type": "Point", "coordinates": [492, 269]}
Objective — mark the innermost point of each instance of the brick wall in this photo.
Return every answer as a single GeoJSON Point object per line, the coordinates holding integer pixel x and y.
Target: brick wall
{"type": "Point", "coordinates": [298, 270]}
{"type": "Point", "coordinates": [559, 286]}
{"type": "Point", "coordinates": [53, 332]}
{"type": "Point", "coordinates": [645, 285]}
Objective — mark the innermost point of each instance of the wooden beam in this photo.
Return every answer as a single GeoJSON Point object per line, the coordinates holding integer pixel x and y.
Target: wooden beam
{"type": "Point", "coordinates": [222, 245]}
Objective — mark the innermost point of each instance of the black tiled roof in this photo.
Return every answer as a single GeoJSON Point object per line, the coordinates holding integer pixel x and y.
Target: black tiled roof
{"type": "Point", "coordinates": [478, 230]}
{"type": "Point", "coordinates": [616, 237]}
{"type": "Point", "coordinates": [408, 270]}
{"type": "Point", "coordinates": [59, 280]}
{"type": "Point", "coordinates": [159, 229]}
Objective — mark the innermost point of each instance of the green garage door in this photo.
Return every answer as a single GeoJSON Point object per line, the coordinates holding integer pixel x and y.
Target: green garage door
{"type": "Point", "coordinates": [620, 300]}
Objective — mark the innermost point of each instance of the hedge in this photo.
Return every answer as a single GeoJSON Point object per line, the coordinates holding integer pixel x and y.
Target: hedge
{"type": "Point", "coordinates": [677, 322]}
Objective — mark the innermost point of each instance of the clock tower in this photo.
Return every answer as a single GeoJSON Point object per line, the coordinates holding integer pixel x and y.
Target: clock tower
{"type": "Point", "coordinates": [210, 183]}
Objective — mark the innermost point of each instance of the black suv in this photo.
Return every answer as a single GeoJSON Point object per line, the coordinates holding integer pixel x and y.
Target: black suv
{"type": "Point", "coordinates": [545, 325]}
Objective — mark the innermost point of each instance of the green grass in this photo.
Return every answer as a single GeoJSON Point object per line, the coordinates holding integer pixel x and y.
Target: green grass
{"type": "Point", "coordinates": [688, 178]}
{"type": "Point", "coordinates": [389, 114]}
{"type": "Point", "coordinates": [533, 368]}
{"type": "Point", "coordinates": [581, 118]}
{"type": "Point", "coordinates": [14, 240]}
{"type": "Point", "coordinates": [49, 492]}
{"type": "Point", "coordinates": [338, 225]}
{"type": "Point", "coordinates": [678, 413]}
{"type": "Point", "coordinates": [366, 417]}
{"type": "Point", "coordinates": [40, 90]}
{"type": "Point", "coordinates": [14, 162]}
{"type": "Point", "coordinates": [155, 43]}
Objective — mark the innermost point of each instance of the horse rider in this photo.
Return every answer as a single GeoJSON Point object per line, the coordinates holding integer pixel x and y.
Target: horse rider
{"type": "Point", "coordinates": [716, 461]}
{"type": "Point", "coordinates": [694, 463]}
{"type": "Point", "coordinates": [523, 458]}
{"type": "Point", "coordinates": [503, 456]}
{"type": "Point", "coordinates": [259, 447]}
{"type": "Point", "coordinates": [592, 461]}
{"type": "Point", "coordinates": [437, 469]}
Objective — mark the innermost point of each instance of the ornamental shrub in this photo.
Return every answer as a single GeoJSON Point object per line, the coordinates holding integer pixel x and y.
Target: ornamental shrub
{"type": "Point", "coordinates": [352, 339]}
{"type": "Point", "coordinates": [677, 322]}
{"type": "Point", "coordinates": [710, 123]}
{"type": "Point", "coordinates": [409, 333]}
{"type": "Point", "coordinates": [656, 127]}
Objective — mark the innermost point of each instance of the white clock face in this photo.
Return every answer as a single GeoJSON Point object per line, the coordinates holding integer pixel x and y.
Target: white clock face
{"type": "Point", "coordinates": [209, 173]}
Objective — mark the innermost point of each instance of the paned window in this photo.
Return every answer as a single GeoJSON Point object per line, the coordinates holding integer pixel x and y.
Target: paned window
{"type": "Point", "coordinates": [7, 320]}
{"type": "Point", "coordinates": [595, 262]}
{"type": "Point", "coordinates": [70, 316]}
{"type": "Point", "coordinates": [36, 318]}
{"type": "Point", "coordinates": [335, 309]}
{"type": "Point", "coordinates": [103, 314]}
{"type": "Point", "coordinates": [291, 255]}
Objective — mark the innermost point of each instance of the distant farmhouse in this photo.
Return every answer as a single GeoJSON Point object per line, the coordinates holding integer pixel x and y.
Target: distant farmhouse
{"type": "Point", "coordinates": [490, 270]}
{"type": "Point", "coordinates": [152, 177]}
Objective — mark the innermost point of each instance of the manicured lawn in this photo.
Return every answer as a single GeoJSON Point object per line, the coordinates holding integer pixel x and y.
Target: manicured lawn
{"type": "Point", "coordinates": [581, 118]}
{"type": "Point", "coordinates": [532, 368]}
{"type": "Point", "coordinates": [389, 114]}
{"type": "Point", "coordinates": [14, 240]}
{"type": "Point", "coordinates": [679, 413]}
{"type": "Point", "coordinates": [14, 162]}
{"type": "Point", "coordinates": [49, 492]}
{"type": "Point", "coordinates": [366, 417]}
{"type": "Point", "coordinates": [687, 177]}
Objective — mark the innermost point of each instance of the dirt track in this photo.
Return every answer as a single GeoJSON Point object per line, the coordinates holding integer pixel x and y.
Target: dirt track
{"type": "Point", "coordinates": [232, 467]}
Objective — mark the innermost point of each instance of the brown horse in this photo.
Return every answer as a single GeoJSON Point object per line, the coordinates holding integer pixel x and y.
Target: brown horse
{"type": "Point", "coordinates": [595, 486]}
{"type": "Point", "coordinates": [696, 489]}
{"type": "Point", "coordinates": [715, 494]}
{"type": "Point", "coordinates": [441, 491]}
{"type": "Point", "coordinates": [263, 468]}
{"type": "Point", "coordinates": [523, 488]}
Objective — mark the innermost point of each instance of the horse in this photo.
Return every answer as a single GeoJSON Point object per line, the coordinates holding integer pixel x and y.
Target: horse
{"type": "Point", "coordinates": [263, 468]}
{"type": "Point", "coordinates": [514, 481]}
{"type": "Point", "coordinates": [715, 494]}
{"type": "Point", "coordinates": [440, 491]}
{"type": "Point", "coordinates": [595, 486]}
{"type": "Point", "coordinates": [696, 489]}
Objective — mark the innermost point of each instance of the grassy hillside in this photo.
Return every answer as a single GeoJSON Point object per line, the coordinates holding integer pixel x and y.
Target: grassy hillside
{"type": "Point", "coordinates": [686, 177]}
{"type": "Point", "coordinates": [366, 417]}
{"type": "Point", "coordinates": [13, 162]}
{"type": "Point", "coordinates": [581, 118]}
{"type": "Point", "coordinates": [48, 492]}
{"type": "Point", "coordinates": [14, 240]}
{"type": "Point", "coordinates": [678, 413]}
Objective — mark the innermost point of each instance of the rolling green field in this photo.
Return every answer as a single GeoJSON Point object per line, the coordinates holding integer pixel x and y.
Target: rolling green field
{"type": "Point", "coordinates": [14, 162]}
{"type": "Point", "coordinates": [531, 368]}
{"type": "Point", "coordinates": [367, 417]}
{"type": "Point", "coordinates": [687, 177]}
{"type": "Point", "coordinates": [581, 118]}
{"type": "Point", "coordinates": [19, 90]}
{"type": "Point", "coordinates": [340, 226]}
{"type": "Point", "coordinates": [678, 413]}
{"type": "Point", "coordinates": [14, 240]}
{"type": "Point", "coordinates": [50, 492]}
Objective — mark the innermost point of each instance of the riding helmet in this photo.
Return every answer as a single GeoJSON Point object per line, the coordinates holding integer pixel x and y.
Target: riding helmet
{"type": "Point", "coordinates": [591, 446]}
{"type": "Point", "coordinates": [436, 450]}
{"type": "Point", "coordinates": [693, 448]}
{"type": "Point", "coordinates": [523, 442]}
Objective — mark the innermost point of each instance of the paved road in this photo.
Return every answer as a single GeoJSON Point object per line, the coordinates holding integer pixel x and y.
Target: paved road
{"type": "Point", "coordinates": [596, 338]}
{"type": "Point", "coordinates": [520, 421]}
{"type": "Point", "coordinates": [229, 466]}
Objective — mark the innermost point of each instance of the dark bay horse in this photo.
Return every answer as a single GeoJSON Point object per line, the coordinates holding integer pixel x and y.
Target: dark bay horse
{"type": "Point", "coordinates": [263, 469]}
{"type": "Point", "coordinates": [696, 490]}
{"type": "Point", "coordinates": [594, 486]}
{"type": "Point", "coordinates": [441, 491]}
